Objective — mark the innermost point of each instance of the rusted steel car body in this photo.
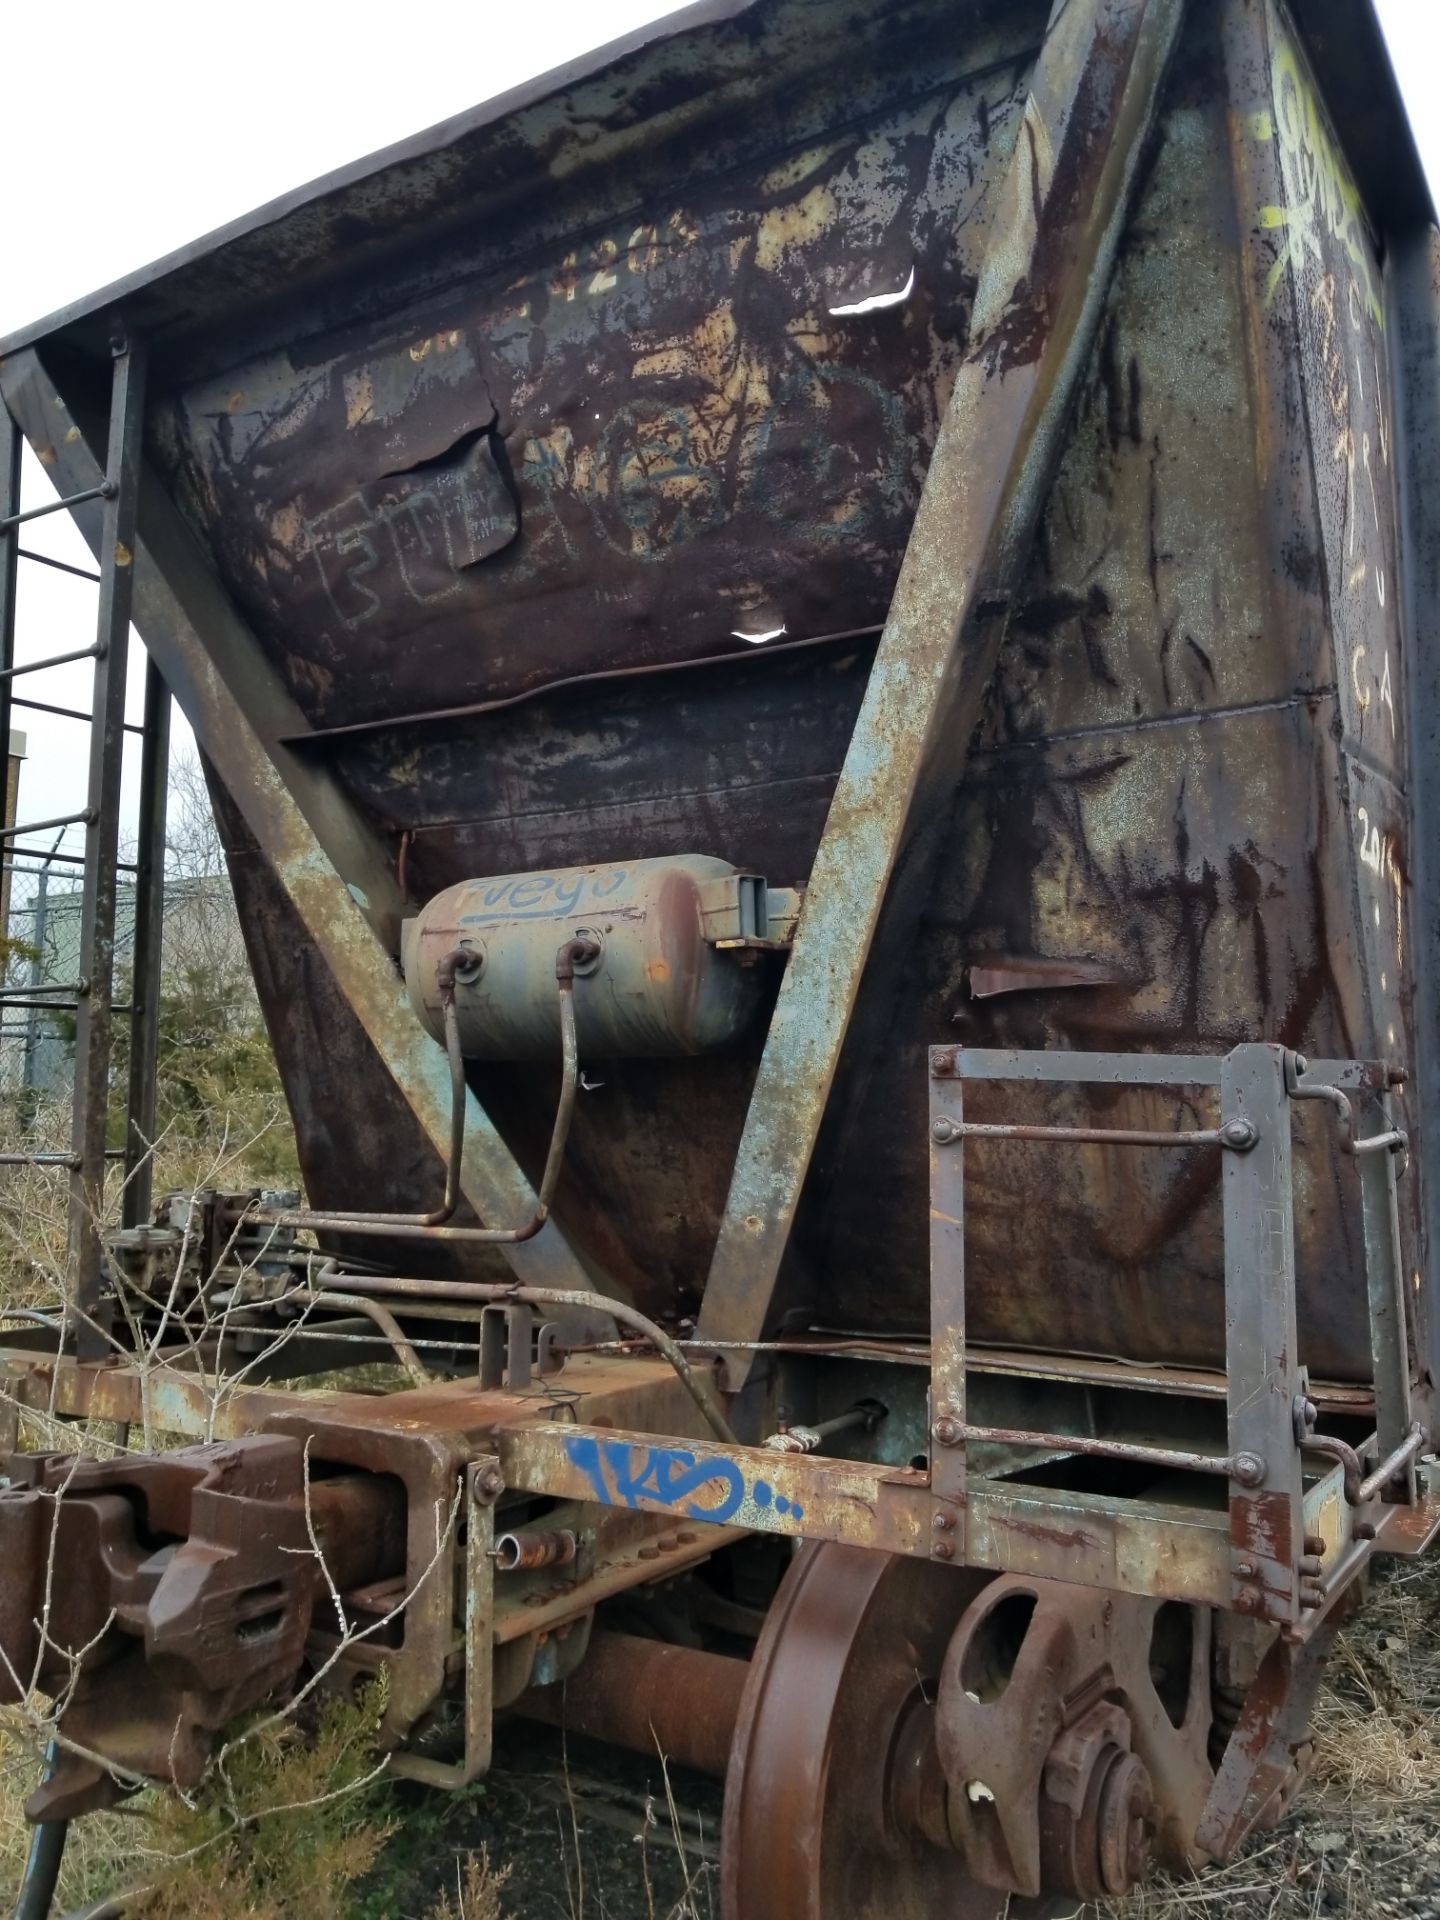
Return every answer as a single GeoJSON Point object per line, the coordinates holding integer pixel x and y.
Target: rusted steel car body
{"type": "Point", "coordinates": [961, 481]}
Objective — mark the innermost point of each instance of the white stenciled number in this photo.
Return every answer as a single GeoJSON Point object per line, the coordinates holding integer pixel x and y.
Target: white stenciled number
{"type": "Point", "coordinates": [1370, 846]}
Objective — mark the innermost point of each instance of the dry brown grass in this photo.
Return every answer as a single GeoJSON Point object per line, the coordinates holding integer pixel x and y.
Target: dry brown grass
{"type": "Point", "coordinates": [1364, 1837]}
{"type": "Point", "coordinates": [478, 1887]}
{"type": "Point", "coordinates": [34, 1201]}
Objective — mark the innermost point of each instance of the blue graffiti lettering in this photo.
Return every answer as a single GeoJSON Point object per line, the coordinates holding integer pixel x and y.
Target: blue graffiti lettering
{"type": "Point", "coordinates": [623, 1475]}
{"type": "Point", "coordinates": [542, 896]}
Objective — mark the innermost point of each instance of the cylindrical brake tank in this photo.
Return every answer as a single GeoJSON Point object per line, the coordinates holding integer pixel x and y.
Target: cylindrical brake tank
{"type": "Point", "coordinates": [675, 970]}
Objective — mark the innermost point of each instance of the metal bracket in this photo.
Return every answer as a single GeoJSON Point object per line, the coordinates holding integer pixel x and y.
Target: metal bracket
{"type": "Point", "coordinates": [741, 910]}
{"type": "Point", "coordinates": [484, 1483]}
{"type": "Point", "coordinates": [1275, 1572]}
{"type": "Point", "coordinates": [512, 1351]}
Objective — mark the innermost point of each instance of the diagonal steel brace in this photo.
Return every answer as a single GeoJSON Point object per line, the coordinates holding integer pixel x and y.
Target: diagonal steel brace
{"type": "Point", "coordinates": [334, 872]}
{"type": "Point", "coordinates": [1053, 238]}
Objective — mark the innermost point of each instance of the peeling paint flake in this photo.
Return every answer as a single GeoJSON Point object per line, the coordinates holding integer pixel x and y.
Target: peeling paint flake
{"type": "Point", "coordinates": [878, 302]}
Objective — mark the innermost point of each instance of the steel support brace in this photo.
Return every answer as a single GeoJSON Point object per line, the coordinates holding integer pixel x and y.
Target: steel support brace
{"type": "Point", "coordinates": [1268, 1745]}
{"type": "Point", "coordinates": [1055, 230]}
{"type": "Point", "coordinates": [102, 843]}
{"type": "Point", "coordinates": [149, 932]}
{"type": "Point", "coordinates": [947, 1283]}
{"type": "Point", "coordinates": [1261, 1338]}
{"type": "Point", "coordinates": [1131, 1546]}
{"type": "Point", "coordinates": [804, 1496]}
{"type": "Point", "coordinates": [334, 873]}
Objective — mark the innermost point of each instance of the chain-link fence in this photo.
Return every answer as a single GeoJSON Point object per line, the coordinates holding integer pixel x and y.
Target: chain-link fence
{"type": "Point", "coordinates": [221, 1114]}
{"type": "Point", "coordinates": [42, 972]}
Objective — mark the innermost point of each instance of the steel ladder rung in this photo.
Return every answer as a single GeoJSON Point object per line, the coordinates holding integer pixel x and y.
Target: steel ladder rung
{"type": "Point", "coordinates": [60, 566]}
{"type": "Point", "coordinates": [105, 491]}
{"type": "Point", "coordinates": [85, 818]}
{"type": "Point", "coordinates": [95, 651]}
{"type": "Point", "coordinates": [54, 853]}
{"type": "Point", "coordinates": [54, 1006]}
{"type": "Point", "coordinates": [67, 713]}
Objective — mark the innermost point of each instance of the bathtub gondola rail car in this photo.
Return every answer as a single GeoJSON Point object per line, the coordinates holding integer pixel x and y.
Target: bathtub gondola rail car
{"type": "Point", "coordinates": [815, 641]}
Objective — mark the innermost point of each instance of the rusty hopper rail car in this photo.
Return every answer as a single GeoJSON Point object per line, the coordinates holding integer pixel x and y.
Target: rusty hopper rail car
{"type": "Point", "coordinates": [816, 645]}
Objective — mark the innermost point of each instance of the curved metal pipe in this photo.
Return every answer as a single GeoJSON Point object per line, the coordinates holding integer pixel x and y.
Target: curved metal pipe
{"type": "Point", "coordinates": [1333, 1449]}
{"type": "Point", "coordinates": [451, 964]}
{"type": "Point", "coordinates": [428, 1226]}
{"type": "Point", "coordinates": [388, 1325]}
{"type": "Point", "coordinates": [697, 1385]}
{"type": "Point", "coordinates": [114, 1906]}
{"type": "Point", "coordinates": [1394, 1138]}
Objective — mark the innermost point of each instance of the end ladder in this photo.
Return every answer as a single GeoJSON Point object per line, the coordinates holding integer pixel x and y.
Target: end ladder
{"type": "Point", "coordinates": [91, 994]}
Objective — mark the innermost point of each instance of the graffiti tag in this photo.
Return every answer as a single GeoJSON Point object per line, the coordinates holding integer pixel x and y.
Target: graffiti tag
{"type": "Point", "coordinates": [625, 1474]}
{"type": "Point", "coordinates": [1320, 191]}
{"type": "Point", "coordinates": [542, 896]}
{"type": "Point", "coordinates": [414, 533]}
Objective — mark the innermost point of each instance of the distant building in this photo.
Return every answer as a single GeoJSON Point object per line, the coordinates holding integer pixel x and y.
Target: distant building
{"type": "Point", "coordinates": [201, 930]}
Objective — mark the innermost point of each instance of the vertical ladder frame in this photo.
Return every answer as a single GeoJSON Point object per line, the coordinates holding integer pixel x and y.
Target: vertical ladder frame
{"type": "Point", "coordinates": [145, 969]}
{"type": "Point", "coordinates": [93, 991]}
{"type": "Point", "coordinates": [94, 1019]}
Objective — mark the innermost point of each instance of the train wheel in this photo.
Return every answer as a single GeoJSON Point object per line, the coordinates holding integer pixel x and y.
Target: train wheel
{"type": "Point", "coordinates": [833, 1776]}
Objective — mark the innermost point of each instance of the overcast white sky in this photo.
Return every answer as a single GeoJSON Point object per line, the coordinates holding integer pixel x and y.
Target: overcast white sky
{"type": "Point", "coordinates": [127, 132]}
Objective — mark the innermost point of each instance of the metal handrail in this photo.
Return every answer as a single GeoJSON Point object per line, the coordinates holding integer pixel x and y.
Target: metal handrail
{"type": "Point", "coordinates": [1247, 1468]}
{"type": "Point", "coordinates": [66, 713]}
{"type": "Point", "coordinates": [1236, 1136]}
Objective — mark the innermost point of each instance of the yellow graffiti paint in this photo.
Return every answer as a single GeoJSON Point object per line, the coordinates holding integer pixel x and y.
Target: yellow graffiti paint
{"type": "Point", "coordinates": [435, 343]}
{"type": "Point", "coordinates": [359, 397]}
{"type": "Point", "coordinates": [1321, 196]}
{"type": "Point", "coordinates": [789, 174]}
{"type": "Point", "coordinates": [795, 225]}
{"type": "Point", "coordinates": [287, 528]}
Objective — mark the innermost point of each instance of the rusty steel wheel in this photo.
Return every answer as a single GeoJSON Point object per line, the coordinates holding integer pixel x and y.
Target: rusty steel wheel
{"type": "Point", "coordinates": [833, 1764]}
